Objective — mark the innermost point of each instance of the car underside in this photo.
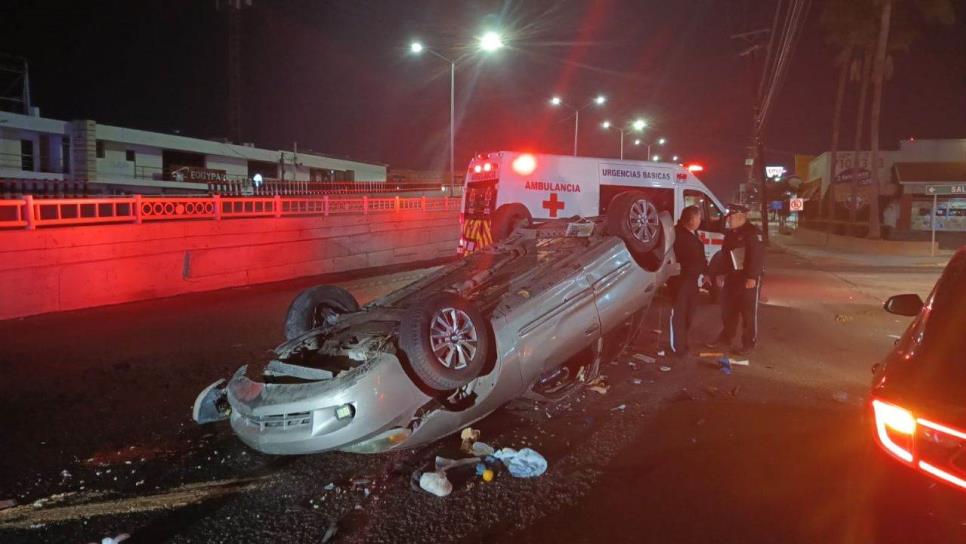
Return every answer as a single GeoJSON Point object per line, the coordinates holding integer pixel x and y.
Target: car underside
{"type": "Point", "coordinates": [532, 316]}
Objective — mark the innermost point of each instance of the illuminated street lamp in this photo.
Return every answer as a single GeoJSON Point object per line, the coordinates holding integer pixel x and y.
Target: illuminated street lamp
{"type": "Point", "coordinates": [490, 41]}
{"type": "Point", "coordinates": [659, 141]}
{"type": "Point", "coordinates": [637, 125]}
{"type": "Point", "coordinates": [674, 158]}
{"type": "Point", "coordinates": [556, 101]}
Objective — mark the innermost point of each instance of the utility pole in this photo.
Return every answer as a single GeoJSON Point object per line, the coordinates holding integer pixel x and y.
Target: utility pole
{"type": "Point", "coordinates": [781, 46]}
{"type": "Point", "coordinates": [14, 74]}
{"type": "Point", "coordinates": [232, 10]}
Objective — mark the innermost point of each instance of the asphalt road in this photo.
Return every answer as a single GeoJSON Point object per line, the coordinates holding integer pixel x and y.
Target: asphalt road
{"type": "Point", "coordinates": [95, 426]}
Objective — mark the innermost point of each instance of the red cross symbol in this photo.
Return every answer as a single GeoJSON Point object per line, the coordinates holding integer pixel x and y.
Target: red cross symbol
{"type": "Point", "coordinates": [554, 205]}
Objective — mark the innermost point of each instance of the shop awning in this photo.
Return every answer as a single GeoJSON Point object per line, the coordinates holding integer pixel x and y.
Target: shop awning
{"type": "Point", "coordinates": [930, 172]}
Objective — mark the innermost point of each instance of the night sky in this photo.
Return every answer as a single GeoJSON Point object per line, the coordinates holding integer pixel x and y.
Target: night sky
{"type": "Point", "coordinates": [336, 76]}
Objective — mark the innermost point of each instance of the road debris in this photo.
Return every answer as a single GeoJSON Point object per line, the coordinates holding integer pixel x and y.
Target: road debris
{"type": "Point", "coordinates": [526, 463]}
{"type": "Point", "coordinates": [481, 449]}
{"type": "Point", "coordinates": [637, 381]}
{"type": "Point", "coordinates": [725, 365]}
{"type": "Point", "coordinates": [665, 369]}
{"type": "Point", "coordinates": [645, 358]}
{"type": "Point", "coordinates": [330, 532]}
{"type": "Point", "coordinates": [436, 483]}
{"type": "Point", "coordinates": [618, 408]}
{"type": "Point", "coordinates": [843, 318]}
{"type": "Point", "coordinates": [599, 385]}
{"type": "Point", "coordinates": [740, 362]}
{"type": "Point", "coordinates": [735, 390]}
{"type": "Point", "coordinates": [469, 436]}
{"type": "Point", "coordinates": [114, 539]}
{"type": "Point", "coordinates": [711, 354]}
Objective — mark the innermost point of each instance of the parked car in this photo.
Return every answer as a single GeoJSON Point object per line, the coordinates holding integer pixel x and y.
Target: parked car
{"type": "Point", "coordinates": [918, 399]}
{"type": "Point", "coordinates": [534, 315]}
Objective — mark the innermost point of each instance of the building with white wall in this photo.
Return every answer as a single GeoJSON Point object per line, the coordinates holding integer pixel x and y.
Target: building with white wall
{"type": "Point", "coordinates": [36, 151]}
{"type": "Point", "coordinates": [904, 175]}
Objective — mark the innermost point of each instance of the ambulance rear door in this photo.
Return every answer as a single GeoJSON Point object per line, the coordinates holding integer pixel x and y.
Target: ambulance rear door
{"type": "Point", "coordinates": [549, 186]}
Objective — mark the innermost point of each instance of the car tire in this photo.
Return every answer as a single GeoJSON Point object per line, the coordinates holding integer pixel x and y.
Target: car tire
{"type": "Point", "coordinates": [425, 336]}
{"type": "Point", "coordinates": [314, 305]}
{"type": "Point", "coordinates": [506, 219]}
{"type": "Point", "coordinates": [634, 219]}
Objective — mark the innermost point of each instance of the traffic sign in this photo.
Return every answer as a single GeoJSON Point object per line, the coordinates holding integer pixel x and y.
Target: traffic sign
{"type": "Point", "coordinates": [796, 204]}
{"type": "Point", "coordinates": [946, 189]}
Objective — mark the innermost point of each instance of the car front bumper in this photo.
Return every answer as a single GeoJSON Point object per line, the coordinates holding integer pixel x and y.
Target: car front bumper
{"type": "Point", "coordinates": [367, 409]}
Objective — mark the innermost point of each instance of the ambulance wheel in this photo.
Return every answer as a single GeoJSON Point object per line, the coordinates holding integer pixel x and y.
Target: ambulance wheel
{"type": "Point", "coordinates": [634, 218]}
{"type": "Point", "coordinates": [446, 341]}
{"type": "Point", "coordinates": [317, 306]}
{"type": "Point", "coordinates": [507, 218]}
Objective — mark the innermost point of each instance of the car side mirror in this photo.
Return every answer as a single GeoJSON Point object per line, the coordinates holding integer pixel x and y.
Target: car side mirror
{"type": "Point", "coordinates": [909, 304]}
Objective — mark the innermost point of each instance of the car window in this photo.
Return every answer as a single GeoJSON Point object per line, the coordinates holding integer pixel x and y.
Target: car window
{"type": "Point", "coordinates": [480, 199]}
{"type": "Point", "coordinates": [711, 215]}
{"type": "Point", "coordinates": [942, 323]}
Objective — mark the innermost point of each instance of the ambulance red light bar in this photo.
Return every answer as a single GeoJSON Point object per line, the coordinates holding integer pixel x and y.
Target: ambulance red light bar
{"type": "Point", "coordinates": [921, 443]}
{"type": "Point", "coordinates": [486, 167]}
{"type": "Point", "coordinates": [694, 167]}
{"type": "Point", "coordinates": [524, 164]}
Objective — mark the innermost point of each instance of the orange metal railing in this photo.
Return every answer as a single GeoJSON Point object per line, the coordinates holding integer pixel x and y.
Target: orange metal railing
{"type": "Point", "coordinates": [31, 213]}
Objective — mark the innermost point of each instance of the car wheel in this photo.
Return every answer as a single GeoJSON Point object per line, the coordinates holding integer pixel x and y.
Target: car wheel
{"type": "Point", "coordinates": [446, 341]}
{"type": "Point", "coordinates": [317, 306]}
{"type": "Point", "coordinates": [634, 218]}
{"type": "Point", "coordinates": [507, 218]}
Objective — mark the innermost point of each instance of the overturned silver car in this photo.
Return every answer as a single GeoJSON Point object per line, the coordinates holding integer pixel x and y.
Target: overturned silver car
{"type": "Point", "coordinates": [533, 316]}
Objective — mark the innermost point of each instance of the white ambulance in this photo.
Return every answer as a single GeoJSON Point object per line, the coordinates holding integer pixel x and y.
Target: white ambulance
{"type": "Point", "coordinates": [505, 188]}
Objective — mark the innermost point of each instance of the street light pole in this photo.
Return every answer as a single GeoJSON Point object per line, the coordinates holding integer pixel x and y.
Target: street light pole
{"type": "Point", "coordinates": [489, 42]}
{"type": "Point", "coordinates": [576, 125]}
{"type": "Point", "coordinates": [556, 101]}
{"type": "Point", "coordinates": [452, 128]}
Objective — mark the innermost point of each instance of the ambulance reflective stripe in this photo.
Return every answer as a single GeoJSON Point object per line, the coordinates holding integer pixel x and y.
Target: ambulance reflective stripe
{"type": "Point", "coordinates": [670, 329]}
{"type": "Point", "coordinates": [478, 231]}
{"type": "Point", "coordinates": [757, 298]}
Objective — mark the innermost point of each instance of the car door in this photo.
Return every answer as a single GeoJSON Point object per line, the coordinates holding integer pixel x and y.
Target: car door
{"type": "Point", "coordinates": [556, 322]}
{"type": "Point", "coordinates": [621, 287]}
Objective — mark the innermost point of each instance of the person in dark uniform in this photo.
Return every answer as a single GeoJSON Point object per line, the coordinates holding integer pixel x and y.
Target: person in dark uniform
{"type": "Point", "coordinates": [689, 251]}
{"type": "Point", "coordinates": [744, 254]}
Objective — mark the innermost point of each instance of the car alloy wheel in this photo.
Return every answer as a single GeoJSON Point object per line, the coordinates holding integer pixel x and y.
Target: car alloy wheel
{"type": "Point", "coordinates": [643, 220]}
{"type": "Point", "coordinates": [453, 338]}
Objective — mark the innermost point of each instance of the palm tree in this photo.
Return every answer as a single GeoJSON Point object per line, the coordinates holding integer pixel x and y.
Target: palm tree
{"type": "Point", "coordinates": [861, 70]}
{"type": "Point", "coordinates": [847, 28]}
{"type": "Point", "coordinates": [922, 12]}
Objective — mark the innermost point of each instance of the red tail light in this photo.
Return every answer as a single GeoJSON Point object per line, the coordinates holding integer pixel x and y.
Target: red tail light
{"type": "Point", "coordinates": [936, 449]}
{"type": "Point", "coordinates": [895, 428]}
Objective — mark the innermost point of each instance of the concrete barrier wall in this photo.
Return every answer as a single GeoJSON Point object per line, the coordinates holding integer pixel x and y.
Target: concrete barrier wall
{"type": "Point", "coordinates": [864, 245]}
{"type": "Point", "coordinates": [49, 270]}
